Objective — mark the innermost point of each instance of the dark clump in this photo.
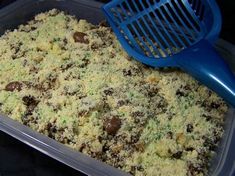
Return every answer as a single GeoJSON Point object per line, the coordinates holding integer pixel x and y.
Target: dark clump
{"type": "Point", "coordinates": [51, 135]}
{"type": "Point", "coordinates": [214, 105]}
{"type": "Point", "coordinates": [210, 106]}
{"type": "Point", "coordinates": [137, 114]}
{"type": "Point", "coordinates": [136, 168]}
{"type": "Point", "coordinates": [204, 157]}
{"type": "Point", "coordinates": [66, 66]}
{"type": "Point", "coordinates": [33, 28]}
{"type": "Point", "coordinates": [79, 37]}
{"type": "Point", "coordinates": [151, 93]}
{"type": "Point", "coordinates": [126, 72]}
{"type": "Point", "coordinates": [138, 117]}
{"type": "Point", "coordinates": [82, 113]}
{"type": "Point", "coordinates": [100, 138]}
{"type": "Point", "coordinates": [151, 90]}
{"type": "Point", "coordinates": [51, 128]}
{"type": "Point", "coordinates": [112, 55]}
{"type": "Point", "coordinates": [84, 63]}
{"type": "Point", "coordinates": [177, 155]}
{"type": "Point", "coordinates": [189, 128]}
{"type": "Point", "coordinates": [101, 34]}
{"type": "Point", "coordinates": [105, 148]}
{"type": "Point", "coordinates": [122, 102]}
{"type": "Point", "coordinates": [25, 118]}
{"type": "Point", "coordinates": [83, 146]}
{"type": "Point", "coordinates": [16, 49]}
{"type": "Point", "coordinates": [30, 102]}
{"type": "Point", "coordinates": [194, 169]}
{"type": "Point", "coordinates": [108, 92]}
{"type": "Point", "coordinates": [106, 107]}
{"type": "Point", "coordinates": [94, 46]}
{"type": "Point", "coordinates": [65, 140]}
{"type": "Point", "coordinates": [180, 93]}
{"type": "Point", "coordinates": [169, 135]}
{"type": "Point", "coordinates": [187, 87]}
{"type": "Point", "coordinates": [132, 71]}
{"type": "Point", "coordinates": [15, 85]}
{"type": "Point", "coordinates": [139, 146]}
{"type": "Point", "coordinates": [208, 118]}
{"type": "Point", "coordinates": [31, 107]}
{"type": "Point", "coordinates": [65, 41]}
{"type": "Point", "coordinates": [189, 149]}
{"type": "Point", "coordinates": [97, 155]}
{"type": "Point", "coordinates": [111, 126]}
{"type": "Point", "coordinates": [211, 144]}
{"type": "Point", "coordinates": [28, 119]}
{"type": "Point", "coordinates": [216, 136]}
{"type": "Point", "coordinates": [162, 105]}
{"type": "Point", "coordinates": [183, 91]}
{"type": "Point", "coordinates": [135, 138]}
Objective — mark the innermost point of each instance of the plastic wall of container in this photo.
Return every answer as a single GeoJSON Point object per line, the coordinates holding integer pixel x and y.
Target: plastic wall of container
{"type": "Point", "coordinates": [20, 12]}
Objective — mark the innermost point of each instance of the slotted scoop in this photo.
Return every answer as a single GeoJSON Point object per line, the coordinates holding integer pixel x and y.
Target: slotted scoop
{"type": "Point", "coordinates": [174, 33]}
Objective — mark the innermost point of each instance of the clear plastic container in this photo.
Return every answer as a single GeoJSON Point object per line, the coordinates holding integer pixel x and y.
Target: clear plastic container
{"type": "Point", "coordinates": [23, 10]}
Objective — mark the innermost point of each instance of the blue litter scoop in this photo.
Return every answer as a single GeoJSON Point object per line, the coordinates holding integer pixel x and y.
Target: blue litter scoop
{"type": "Point", "coordinates": [174, 33]}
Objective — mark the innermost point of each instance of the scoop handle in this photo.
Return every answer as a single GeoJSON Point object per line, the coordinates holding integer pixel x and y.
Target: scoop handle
{"type": "Point", "coordinates": [205, 64]}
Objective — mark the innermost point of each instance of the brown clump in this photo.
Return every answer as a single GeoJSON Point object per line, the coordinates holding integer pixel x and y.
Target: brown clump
{"type": "Point", "coordinates": [30, 102]}
{"type": "Point", "coordinates": [122, 103]}
{"type": "Point", "coordinates": [79, 37]}
{"type": "Point", "coordinates": [194, 169]}
{"type": "Point", "coordinates": [177, 155]}
{"type": "Point", "coordinates": [139, 146]}
{"type": "Point", "coordinates": [127, 72]}
{"type": "Point", "coordinates": [108, 91]}
{"type": "Point", "coordinates": [111, 126]}
{"type": "Point", "coordinates": [189, 128]}
{"type": "Point", "coordinates": [15, 85]}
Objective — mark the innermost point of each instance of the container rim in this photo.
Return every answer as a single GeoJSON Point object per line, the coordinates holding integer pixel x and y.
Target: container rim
{"type": "Point", "coordinates": [70, 157]}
